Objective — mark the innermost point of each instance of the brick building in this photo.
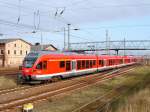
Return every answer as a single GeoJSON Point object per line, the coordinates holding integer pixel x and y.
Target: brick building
{"type": "Point", "coordinates": [13, 51]}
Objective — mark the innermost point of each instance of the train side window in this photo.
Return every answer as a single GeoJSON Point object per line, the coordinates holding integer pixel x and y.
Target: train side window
{"type": "Point", "coordinates": [83, 63]}
{"type": "Point", "coordinates": [68, 67]}
{"type": "Point", "coordinates": [101, 62]}
{"type": "Point", "coordinates": [121, 61]}
{"type": "Point", "coordinates": [90, 63]}
{"type": "Point", "coordinates": [44, 64]}
{"type": "Point", "coordinates": [87, 63]}
{"type": "Point", "coordinates": [109, 62]}
{"type": "Point", "coordinates": [79, 64]}
{"type": "Point", "coordinates": [39, 65]}
{"type": "Point", "coordinates": [94, 62]}
{"type": "Point", "coordinates": [113, 62]}
{"type": "Point", "coordinates": [62, 64]}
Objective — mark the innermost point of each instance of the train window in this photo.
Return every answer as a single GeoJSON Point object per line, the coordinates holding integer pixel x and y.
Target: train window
{"type": "Point", "coordinates": [83, 63]}
{"type": "Point", "coordinates": [90, 63]}
{"type": "Point", "coordinates": [134, 60]}
{"type": "Point", "coordinates": [62, 64]}
{"type": "Point", "coordinates": [87, 63]}
{"type": "Point", "coordinates": [68, 67]}
{"type": "Point", "coordinates": [94, 62]}
{"type": "Point", "coordinates": [39, 66]}
{"type": "Point", "coordinates": [121, 61]}
{"type": "Point", "coordinates": [101, 62]}
{"type": "Point", "coordinates": [110, 62]}
{"type": "Point", "coordinates": [78, 64]}
{"type": "Point", "coordinates": [44, 64]}
{"type": "Point", "coordinates": [113, 62]}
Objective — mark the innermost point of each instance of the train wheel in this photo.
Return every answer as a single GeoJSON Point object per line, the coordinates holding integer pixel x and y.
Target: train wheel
{"type": "Point", "coordinates": [20, 79]}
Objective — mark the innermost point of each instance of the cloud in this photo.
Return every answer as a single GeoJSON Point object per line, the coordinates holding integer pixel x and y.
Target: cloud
{"type": "Point", "coordinates": [76, 11]}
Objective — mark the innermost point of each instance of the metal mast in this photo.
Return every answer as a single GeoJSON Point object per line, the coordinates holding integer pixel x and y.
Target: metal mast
{"type": "Point", "coordinates": [69, 36]}
{"type": "Point", "coordinates": [64, 38]}
{"type": "Point", "coordinates": [107, 43]}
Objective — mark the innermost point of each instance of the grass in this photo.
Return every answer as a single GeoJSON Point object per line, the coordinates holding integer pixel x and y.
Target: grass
{"type": "Point", "coordinates": [134, 82]}
{"type": "Point", "coordinates": [139, 102]}
{"type": "Point", "coordinates": [6, 83]}
{"type": "Point", "coordinates": [137, 98]}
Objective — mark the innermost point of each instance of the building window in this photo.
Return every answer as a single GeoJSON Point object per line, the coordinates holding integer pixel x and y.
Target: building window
{"type": "Point", "coordinates": [26, 52]}
{"type": "Point", "coordinates": [15, 45]}
{"type": "Point", "coordinates": [8, 51]}
{"type": "Point", "coordinates": [20, 52]}
{"type": "Point", "coordinates": [14, 51]}
{"type": "Point", "coordinates": [2, 51]}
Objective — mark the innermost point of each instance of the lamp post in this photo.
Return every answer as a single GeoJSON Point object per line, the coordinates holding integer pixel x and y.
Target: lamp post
{"type": "Point", "coordinates": [64, 38]}
{"type": "Point", "coordinates": [41, 41]}
{"type": "Point", "coordinates": [68, 36]}
{"type": "Point", "coordinates": [67, 43]}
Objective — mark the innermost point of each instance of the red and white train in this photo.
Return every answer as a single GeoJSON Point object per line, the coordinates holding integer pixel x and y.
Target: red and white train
{"type": "Point", "coordinates": [45, 65]}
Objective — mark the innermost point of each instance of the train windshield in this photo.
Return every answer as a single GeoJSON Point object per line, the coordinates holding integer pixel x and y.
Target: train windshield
{"type": "Point", "coordinates": [28, 62]}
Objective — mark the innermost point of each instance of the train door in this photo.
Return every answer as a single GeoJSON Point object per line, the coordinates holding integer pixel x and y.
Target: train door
{"type": "Point", "coordinates": [73, 67]}
{"type": "Point", "coordinates": [105, 62]}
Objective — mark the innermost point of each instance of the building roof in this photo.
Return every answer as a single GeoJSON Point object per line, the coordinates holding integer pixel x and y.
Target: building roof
{"type": "Point", "coordinates": [42, 47]}
{"type": "Point", "coordinates": [11, 40]}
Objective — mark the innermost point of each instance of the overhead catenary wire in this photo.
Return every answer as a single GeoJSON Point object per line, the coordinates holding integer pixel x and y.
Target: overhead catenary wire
{"type": "Point", "coordinates": [19, 8]}
{"type": "Point", "coordinates": [90, 7]}
{"type": "Point", "coordinates": [61, 10]}
{"type": "Point", "coordinates": [83, 8]}
{"type": "Point", "coordinates": [112, 6]}
{"type": "Point", "coordinates": [118, 26]}
{"type": "Point", "coordinates": [77, 2]}
{"type": "Point", "coordinates": [36, 20]}
{"type": "Point", "coordinates": [74, 36]}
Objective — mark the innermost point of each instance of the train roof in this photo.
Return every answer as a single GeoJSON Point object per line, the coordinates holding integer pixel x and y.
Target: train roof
{"type": "Point", "coordinates": [41, 53]}
{"type": "Point", "coordinates": [59, 54]}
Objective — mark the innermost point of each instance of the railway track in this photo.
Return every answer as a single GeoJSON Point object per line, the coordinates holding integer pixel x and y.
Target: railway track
{"type": "Point", "coordinates": [19, 97]}
{"type": "Point", "coordinates": [6, 91]}
{"type": "Point", "coordinates": [9, 72]}
{"type": "Point", "coordinates": [101, 74]}
{"type": "Point", "coordinates": [103, 103]}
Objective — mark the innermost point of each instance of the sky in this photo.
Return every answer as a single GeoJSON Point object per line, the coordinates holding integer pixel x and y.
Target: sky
{"type": "Point", "coordinates": [128, 19]}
